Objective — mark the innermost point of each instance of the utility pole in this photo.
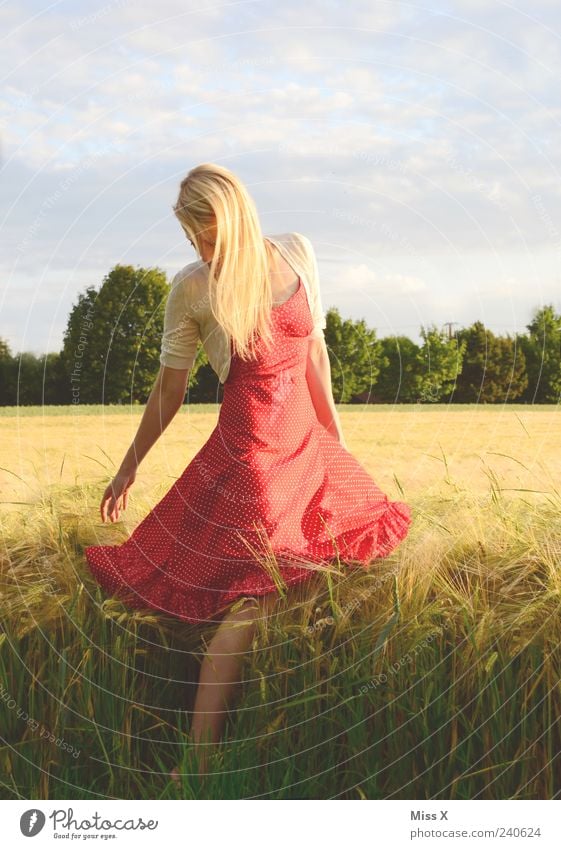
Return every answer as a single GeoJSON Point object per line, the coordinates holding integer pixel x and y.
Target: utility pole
{"type": "Point", "coordinates": [449, 324]}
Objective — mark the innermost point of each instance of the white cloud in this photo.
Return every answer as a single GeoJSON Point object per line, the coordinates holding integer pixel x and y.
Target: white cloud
{"type": "Point", "coordinates": [404, 139]}
{"type": "Point", "coordinates": [364, 278]}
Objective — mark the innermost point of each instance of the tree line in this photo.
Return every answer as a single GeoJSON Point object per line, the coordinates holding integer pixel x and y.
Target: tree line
{"type": "Point", "coordinates": [111, 348]}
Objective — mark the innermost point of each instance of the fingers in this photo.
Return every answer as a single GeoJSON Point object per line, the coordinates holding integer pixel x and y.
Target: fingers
{"type": "Point", "coordinates": [114, 512]}
{"type": "Point", "coordinates": [112, 503]}
{"type": "Point", "coordinates": [108, 503]}
{"type": "Point", "coordinates": [103, 506]}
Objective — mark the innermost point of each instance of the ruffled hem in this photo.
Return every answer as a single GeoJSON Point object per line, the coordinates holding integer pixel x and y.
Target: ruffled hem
{"type": "Point", "coordinates": [374, 542]}
{"type": "Point", "coordinates": [124, 572]}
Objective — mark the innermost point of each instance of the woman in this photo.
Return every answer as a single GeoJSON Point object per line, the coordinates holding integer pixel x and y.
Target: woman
{"type": "Point", "coordinates": [274, 490]}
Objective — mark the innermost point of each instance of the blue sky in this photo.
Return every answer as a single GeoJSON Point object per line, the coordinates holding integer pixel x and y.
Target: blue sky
{"type": "Point", "coordinates": [416, 144]}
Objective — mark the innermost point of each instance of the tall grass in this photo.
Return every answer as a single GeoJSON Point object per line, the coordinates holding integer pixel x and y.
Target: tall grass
{"type": "Point", "coordinates": [433, 675]}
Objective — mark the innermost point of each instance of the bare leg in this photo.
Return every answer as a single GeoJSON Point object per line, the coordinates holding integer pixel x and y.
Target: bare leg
{"type": "Point", "coordinates": [220, 674]}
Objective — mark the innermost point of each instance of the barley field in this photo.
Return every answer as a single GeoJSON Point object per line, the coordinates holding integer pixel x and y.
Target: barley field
{"type": "Point", "coordinates": [434, 674]}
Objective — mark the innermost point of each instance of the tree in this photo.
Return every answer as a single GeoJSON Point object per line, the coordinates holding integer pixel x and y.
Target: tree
{"type": "Point", "coordinates": [512, 377]}
{"type": "Point", "coordinates": [28, 374]}
{"type": "Point", "coordinates": [542, 350]}
{"type": "Point", "coordinates": [354, 355]}
{"type": "Point", "coordinates": [28, 379]}
{"type": "Point", "coordinates": [440, 362]}
{"type": "Point", "coordinates": [112, 340]}
{"type": "Point", "coordinates": [399, 376]}
{"type": "Point", "coordinates": [7, 385]}
{"type": "Point", "coordinates": [55, 383]}
{"type": "Point", "coordinates": [493, 368]}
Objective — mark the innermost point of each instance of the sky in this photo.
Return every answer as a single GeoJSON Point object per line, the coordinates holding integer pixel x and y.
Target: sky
{"type": "Point", "coordinates": [415, 143]}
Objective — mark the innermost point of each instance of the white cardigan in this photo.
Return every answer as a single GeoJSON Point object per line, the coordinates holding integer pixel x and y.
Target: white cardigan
{"type": "Point", "coordinates": [188, 316]}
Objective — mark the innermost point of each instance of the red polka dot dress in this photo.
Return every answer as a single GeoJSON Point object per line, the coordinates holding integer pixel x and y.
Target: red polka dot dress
{"type": "Point", "coordinates": [270, 494]}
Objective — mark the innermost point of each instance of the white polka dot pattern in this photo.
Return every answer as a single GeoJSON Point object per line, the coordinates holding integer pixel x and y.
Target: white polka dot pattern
{"type": "Point", "coordinates": [269, 481]}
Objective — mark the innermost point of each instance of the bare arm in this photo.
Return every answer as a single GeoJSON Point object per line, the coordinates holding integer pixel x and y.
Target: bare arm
{"type": "Point", "coordinates": [163, 403]}
{"type": "Point", "coordinates": [318, 377]}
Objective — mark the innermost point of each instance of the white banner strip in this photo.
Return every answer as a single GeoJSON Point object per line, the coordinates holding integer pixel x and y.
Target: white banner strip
{"type": "Point", "coordinates": [321, 823]}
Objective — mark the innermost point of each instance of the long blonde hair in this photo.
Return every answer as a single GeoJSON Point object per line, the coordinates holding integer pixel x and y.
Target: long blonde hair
{"type": "Point", "coordinates": [240, 294]}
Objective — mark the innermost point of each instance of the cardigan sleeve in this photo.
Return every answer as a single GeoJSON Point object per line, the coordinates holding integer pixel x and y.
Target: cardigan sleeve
{"type": "Point", "coordinates": [181, 332]}
{"type": "Point", "coordinates": [317, 310]}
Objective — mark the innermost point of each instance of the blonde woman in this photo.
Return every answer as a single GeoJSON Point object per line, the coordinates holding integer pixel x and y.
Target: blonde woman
{"type": "Point", "coordinates": [274, 489]}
